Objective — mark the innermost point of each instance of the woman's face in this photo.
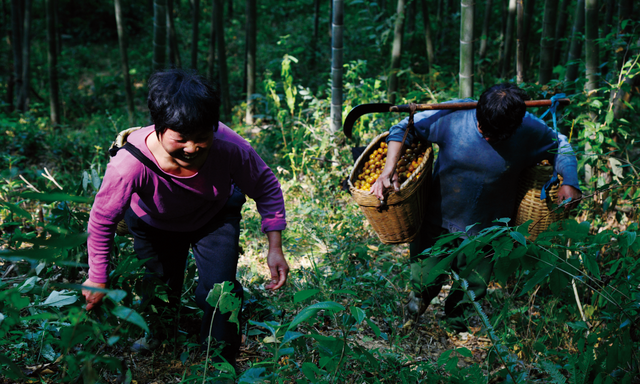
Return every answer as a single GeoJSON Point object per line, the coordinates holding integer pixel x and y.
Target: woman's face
{"type": "Point", "coordinates": [188, 150]}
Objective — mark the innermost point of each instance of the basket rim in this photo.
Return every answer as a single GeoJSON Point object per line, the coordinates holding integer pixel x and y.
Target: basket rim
{"type": "Point", "coordinates": [405, 189]}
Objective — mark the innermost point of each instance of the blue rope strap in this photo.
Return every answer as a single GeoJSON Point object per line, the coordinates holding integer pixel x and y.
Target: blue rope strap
{"type": "Point", "coordinates": [554, 179]}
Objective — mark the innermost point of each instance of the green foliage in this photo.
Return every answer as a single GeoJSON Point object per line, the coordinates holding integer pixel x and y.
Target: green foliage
{"type": "Point", "coordinates": [341, 318]}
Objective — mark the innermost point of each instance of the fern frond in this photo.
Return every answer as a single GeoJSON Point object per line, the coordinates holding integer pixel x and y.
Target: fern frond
{"type": "Point", "coordinates": [553, 371]}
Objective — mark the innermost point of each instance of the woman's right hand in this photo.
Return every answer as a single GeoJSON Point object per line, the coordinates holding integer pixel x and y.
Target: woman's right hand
{"type": "Point", "coordinates": [92, 297]}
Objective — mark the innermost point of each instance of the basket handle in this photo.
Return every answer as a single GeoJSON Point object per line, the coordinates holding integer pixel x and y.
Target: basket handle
{"type": "Point", "coordinates": [412, 110]}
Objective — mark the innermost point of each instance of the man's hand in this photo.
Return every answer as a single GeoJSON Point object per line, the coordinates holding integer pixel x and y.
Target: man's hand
{"type": "Point", "coordinates": [93, 297]}
{"type": "Point", "coordinates": [568, 192]}
{"type": "Point", "coordinates": [275, 260]}
{"type": "Point", "coordinates": [389, 177]}
{"type": "Point", "coordinates": [384, 183]}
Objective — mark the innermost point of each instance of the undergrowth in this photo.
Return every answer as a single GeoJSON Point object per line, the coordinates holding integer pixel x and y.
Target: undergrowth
{"type": "Point", "coordinates": [563, 308]}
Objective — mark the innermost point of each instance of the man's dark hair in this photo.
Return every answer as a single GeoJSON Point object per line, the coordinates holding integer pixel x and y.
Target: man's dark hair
{"type": "Point", "coordinates": [182, 101]}
{"type": "Point", "coordinates": [500, 110]}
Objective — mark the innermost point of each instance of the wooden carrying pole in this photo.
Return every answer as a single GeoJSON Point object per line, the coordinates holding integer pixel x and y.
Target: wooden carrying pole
{"type": "Point", "coordinates": [469, 105]}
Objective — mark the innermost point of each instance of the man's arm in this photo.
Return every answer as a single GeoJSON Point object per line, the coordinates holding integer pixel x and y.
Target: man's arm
{"type": "Point", "coordinates": [389, 176]}
{"type": "Point", "coordinates": [566, 165]}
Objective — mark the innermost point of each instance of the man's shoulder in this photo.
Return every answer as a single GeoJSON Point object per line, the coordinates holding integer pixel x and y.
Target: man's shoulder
{"type": "Point", "coordinates": [532, 121]}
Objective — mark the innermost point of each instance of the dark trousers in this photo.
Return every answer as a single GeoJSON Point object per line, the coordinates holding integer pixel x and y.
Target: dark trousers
{"type": "Point", "coordinates": [477, 275]}
{"type": "Point", "coordinates": [215, 248]}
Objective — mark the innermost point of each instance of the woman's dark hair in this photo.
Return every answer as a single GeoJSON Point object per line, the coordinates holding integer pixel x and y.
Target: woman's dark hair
{"type": "Point", "coordinates": [182, 101]}
{"type": "Point", "coordinates": [500, 110]}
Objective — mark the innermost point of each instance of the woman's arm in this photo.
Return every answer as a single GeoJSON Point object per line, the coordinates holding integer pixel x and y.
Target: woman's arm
{"type": "Point", "coordinates": [276, 261]}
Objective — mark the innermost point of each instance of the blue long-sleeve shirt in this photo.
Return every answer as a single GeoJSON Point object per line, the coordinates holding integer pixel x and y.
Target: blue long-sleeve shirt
{"type": "Point", "coordinates": [475, 181]}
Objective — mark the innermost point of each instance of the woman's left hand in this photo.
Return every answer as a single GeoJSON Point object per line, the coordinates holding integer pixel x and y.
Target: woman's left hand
{"type": "Point", "coordinates": [275, 260]}
{"type": "Point", "coordinates": [279, 269]}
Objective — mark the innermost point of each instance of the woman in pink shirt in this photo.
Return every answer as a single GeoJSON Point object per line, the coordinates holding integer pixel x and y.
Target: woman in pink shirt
{"type": "Point", "coordinates": [188, 194]}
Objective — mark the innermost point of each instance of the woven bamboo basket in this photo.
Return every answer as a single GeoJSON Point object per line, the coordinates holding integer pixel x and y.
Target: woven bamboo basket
{"type": "Point", "coordinates": [530, 207]}
{"type": "Point", "coordinates": [400, 219]}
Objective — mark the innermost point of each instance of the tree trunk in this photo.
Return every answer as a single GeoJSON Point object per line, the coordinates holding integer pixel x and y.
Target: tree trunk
{"type": "Point", "coordinates": [444, 22]}
{"type": "Point", "coordinates": [606, 30]}
{"type": "Point", "coordinates": [122, 40]}
{"type": "Point", "coordinates": [591, 46]}
{"type": "Point", "coordinates": [230, 10]}
{"type": "Point", "coordinates": [212, 44]}
{"type": "Point", "coordinates": [485, 29]}
{"type": "Point", "coordinates": [575, 50]}
{"type": "Point", "coordinates": [58, 32]}
{"type": "Point", "coordinates": [561, 29]}
{"type": "Point", "coordinates": [251, 16]}
{"type": "Point", "coordinates": [396, 52]}
{"type": "Point", "coordinates": [222, 60]}
{"type": "Point", "coordinates": [412, 9]}
{"type": "Point", "coordinates": [316, 31]}
{"type": "Point", "coordinates": [427, 33]}
{"type": "Point", "coordinates": [625, 8]}
{"type": "Point", "coordinates": [23, 101]}
{"type": "Point", "coordinates": [508, 40]}
{"type": "Point", "coordinates": [336, 65]}
{"type": "Point", "coordinates": [16, 45]}
{"type": "Point", "coordinates": [195, 18]}
{"type": "Point", "coordinates": [503, 31]}
{"type": "Point", "coordinates": [546, 42]}
{"type": "Point", "coordinates": [529, 8]}
{"type": "Point", "coordinates": [54, 100]}
{"type": "Point", "coordinates": [174, 51]}
{"type": "Point", "coordinates": [519, 46]}
{"type": "Point", "coordinates": [159, 33]}
{"type": "Point", "coordinates": [466, 48]}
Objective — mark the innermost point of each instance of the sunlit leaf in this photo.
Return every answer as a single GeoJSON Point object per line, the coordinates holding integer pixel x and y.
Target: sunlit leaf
{"type": "Point", "coordinates": [95, 180]}
{"type": "Point", "coordinates": [269, 340]}
{"type": "Point", "coordinates": [28, 284]}
{"type": "Point", "coordinates": [616, 167]}
{"type": "Point", "coordinates": [48, 353]}
{"type": "Point", "coordinates": [61, 298]}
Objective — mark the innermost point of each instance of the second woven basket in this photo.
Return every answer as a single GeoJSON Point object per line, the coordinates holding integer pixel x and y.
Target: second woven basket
{"type": "Point", "coordinates": [400, 219]}
{"type": "Point", "coordinates": [530, 207]}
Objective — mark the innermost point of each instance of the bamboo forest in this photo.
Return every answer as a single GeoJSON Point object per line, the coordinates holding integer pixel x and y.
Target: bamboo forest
{"type": "Point", "coordinates": [437, 191]}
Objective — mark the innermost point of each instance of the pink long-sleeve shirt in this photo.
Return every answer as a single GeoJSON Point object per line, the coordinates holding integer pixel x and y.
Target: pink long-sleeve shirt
{"type": "Point", "coordinates": [189, 202]}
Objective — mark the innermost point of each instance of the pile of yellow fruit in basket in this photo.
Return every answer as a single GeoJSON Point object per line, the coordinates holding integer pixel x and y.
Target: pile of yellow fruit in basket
{"type": "Point", "coordinates": [407, 164]}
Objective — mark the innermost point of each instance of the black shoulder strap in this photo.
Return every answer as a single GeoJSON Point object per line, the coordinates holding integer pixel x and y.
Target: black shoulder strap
{"type": "Point", "coordinates": [146, 161]}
